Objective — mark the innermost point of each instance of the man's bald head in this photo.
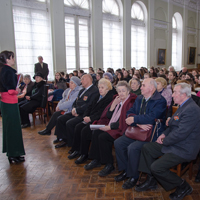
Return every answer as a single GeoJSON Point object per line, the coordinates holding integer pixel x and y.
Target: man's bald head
{"type": "Point", "coordinates": [86, 80]}
{"type": "Point", "coordinates": [149, 86]}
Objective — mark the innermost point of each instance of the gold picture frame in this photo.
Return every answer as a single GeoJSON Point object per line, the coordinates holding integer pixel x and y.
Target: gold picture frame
{"type": "Point", "coordinates": [191, 55]}
{"type": "Point", "coordinates": [161, 56]}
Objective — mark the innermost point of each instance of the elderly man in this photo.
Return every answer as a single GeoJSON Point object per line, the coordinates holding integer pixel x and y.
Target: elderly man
{"type": "Point", "coordinates": [147, 107]}
{"type": "Point", "coordinates": [66, 123]}
{"type": "Point", "coordinates": [178, 144]}
{"type": "Point", "coordinates": [42, 67]}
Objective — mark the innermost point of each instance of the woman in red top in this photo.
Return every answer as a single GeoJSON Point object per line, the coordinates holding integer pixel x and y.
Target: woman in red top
{"type": "Point", "coordinates": [12, 133]}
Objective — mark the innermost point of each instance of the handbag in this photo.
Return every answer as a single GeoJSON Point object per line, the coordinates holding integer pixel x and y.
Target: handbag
{"type": "Point", "coordinates": [137, 133]}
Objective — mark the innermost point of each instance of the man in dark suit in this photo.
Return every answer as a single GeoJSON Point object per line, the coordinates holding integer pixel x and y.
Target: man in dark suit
{"type": "Point", "coordinates": [66, 123]}
{"type": "Point", "coordinates": [178, 144]}
{"type": "Point", "coordinates": [42, 67]}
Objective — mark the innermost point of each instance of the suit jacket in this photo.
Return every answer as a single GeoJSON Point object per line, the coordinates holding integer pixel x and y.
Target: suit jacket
{"type": "Point", "coordinates": [96, 108]}
{"type": "Point", "coordinates": [183, 135]}
{"type": "Point", "coordinates": [155, 109]}
{"type": "Point", "coordinates": [81, 103]}
{"type": "Point", "coordinates": [44, 71]}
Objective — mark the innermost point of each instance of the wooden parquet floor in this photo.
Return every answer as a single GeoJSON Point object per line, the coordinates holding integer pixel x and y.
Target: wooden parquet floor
{"type": "Point", "coordinates": [47, 173]}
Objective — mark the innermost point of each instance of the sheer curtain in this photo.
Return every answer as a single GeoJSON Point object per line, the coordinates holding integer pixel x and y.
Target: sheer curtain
{"type": "Point", "coordinates": [32, 38]}
{"type": "Point", "coordinates": [138, 37]}
{"type": "Point", "coordinates": [77, 37]}
{"type": "Point", "coordinates": [112, 35]}
{"type": "Point", "coordinates": [174, 43]}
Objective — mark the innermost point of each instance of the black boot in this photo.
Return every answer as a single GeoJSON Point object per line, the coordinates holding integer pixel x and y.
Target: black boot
{"type": "Point", "coordinates": [181, 191]}
{"type": "Point", "coordinates": [149, 184]}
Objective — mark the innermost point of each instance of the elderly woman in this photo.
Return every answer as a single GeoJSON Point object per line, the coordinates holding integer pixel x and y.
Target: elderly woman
{"type": "Point", "coordinates": [64, 105]}
{"type": "Point", "coordinates": [113, 118]}
{"type": "Point", "coordinates": [33, 101]}
{"type": "Point", "coordinates": [27, 89]}
{"type": "Point", "coordinates": [12, 133]}
{"type": "Point", "coordinates": [93, 113]}
{"type": "Point", "coordinates": [163, 90]}
{"type": "Point", "coordinates": [135, 86]}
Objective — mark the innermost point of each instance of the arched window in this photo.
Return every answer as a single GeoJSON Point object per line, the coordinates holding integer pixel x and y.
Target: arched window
{"type": "Point", "coordinates": [32, 35]}
{"type": "Point", "coordinates": [77, 35]}
{"type": "Point", "coordinates": [138, 36]}
{"type": "Point", "coordinates": [177, 24]}
{"type": "Point", "coordinates": [112, 35]}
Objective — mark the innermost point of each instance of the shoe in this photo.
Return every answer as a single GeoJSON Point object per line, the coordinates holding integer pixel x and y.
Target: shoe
{"type": "Point", "coordinates": [70, 151]}
{"type": "Point", "coordinates": [197, 179]}
{"type": "Point", "coordinates": [57, 141]}
{"type": "Point", "coordinates": [130, 183]}
{"type": "Point", "coordinates": [93, 164]}
{"type": "Point", "coordinates": [81, 159]}
{"type": "Point", "coordinates": [149, 184]}
{"type": "Point", "coordinates": [21, 158]}
{"type": "Point", "coordinates": [75, 154]}
{"type": "Point", "coordinates": [61, 144]}
{"type": "Point", "coordinates": [121, 177]}
{"type": "Point", "coordinates": [181, 191]}
{"type": "Point", "coordinates": [25, 125]}
{"type": "Point", "coordinates": [13, 160]}
{"type": "Point", "coordinates": [44, 132]}
{"type": "Point", "coordinates": [106, 170]}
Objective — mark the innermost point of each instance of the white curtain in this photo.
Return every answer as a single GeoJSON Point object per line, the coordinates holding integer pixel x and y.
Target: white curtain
{"type": "Point", "coordinates": [174, 49]}
{"type": "Point", "coordinates": [32, 38]}
{"type": "Point", "coordinates": [77, 43]}
{"type": "Point", "coordinates": [112, 45]}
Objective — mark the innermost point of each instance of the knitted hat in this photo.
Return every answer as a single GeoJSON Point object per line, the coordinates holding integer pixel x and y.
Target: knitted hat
{"type": "Point", "coordinates": [76, 80]}
{"type": "Point", "coordinates": [38, 74]}
{"type": "Point", "coordinates": [109, 75]}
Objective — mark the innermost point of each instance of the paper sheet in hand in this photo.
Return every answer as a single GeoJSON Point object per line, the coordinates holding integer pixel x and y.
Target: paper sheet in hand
{"type": "Point", "coordinates": [95, 127]}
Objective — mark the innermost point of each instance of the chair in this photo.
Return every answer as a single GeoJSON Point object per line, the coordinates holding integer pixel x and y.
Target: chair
{"type": "Point", "coordinates": [42, 111]}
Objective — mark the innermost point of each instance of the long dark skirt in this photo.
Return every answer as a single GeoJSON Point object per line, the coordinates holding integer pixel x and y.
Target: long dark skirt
{"type": "Point", "coordinates": [12, 132]}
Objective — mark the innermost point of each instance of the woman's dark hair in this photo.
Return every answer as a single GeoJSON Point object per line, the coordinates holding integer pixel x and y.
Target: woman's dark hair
{"type": "Point", "coordinates": [100, 74]}
{"type": "Point", "coordinates": [5, 55]}
{"type": "Point", "coordinates": [62, 73]}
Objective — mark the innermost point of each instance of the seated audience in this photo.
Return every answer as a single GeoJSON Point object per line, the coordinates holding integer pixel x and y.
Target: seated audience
{"type": "Point", "coordinates": [75, 73]}
{"type": "Point", "coordinates": [153, 74]}
{"type": "Point", "coordinates": [172, 80]}
{"type": "Point", "coordinates": [33, 101]}
{"type": "Point", "coordinates": [127, 77]}
{"type": "Point", "coordinates": [64, 105]}
{"type": "Point", "coordinates": [27, 89]}
{"type": "Point", "coordinates": [146, 75]}
{"type": "Point", "coordinates": [80, 73]}
{"type": "Point", "coordinates": [182, 76]}
{"type": "Point", "coordinates": [195, 72]}
{"type": "Point", "coordinates": [147, 107]}
{"type": "Point", "coordinates": [65, 124]}
{"type": "Point", "coordinates": [113, 118]}
{"type": "Point", "coordinates": [131, 72]}
{"type": "Point", "coordinates": [163, 90]}
{"type": "Point", "coordinates": [177, 144]}
{"type": "Point", "coordinates": [99, 75]}
{"type": "Point", "coordinates": [59, 82]}
{"type": "Point", "coordinates": [197, 83]}
{"type": "Point", "coordinates": [135, 86]}
{"type": "Point", "coordinates": [83, 133]}
{"type": "Point", "coordinates": [120, 77]}
{"type": "Point", "coordinates": [189, 76]}
{"type": "Point", "coordinates": [21, 83]}
{"type": "Point", "coordinates": [109, 76]}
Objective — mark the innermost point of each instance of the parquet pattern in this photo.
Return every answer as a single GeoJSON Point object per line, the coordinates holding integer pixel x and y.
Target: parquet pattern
{"type": "Point", "coordinates": [47, 173]}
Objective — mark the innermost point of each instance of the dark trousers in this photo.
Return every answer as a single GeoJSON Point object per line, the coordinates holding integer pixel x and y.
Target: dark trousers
{"type": "Point", "coordinates": [128, 154]}
{"type": "Point", "coordinates": [53, 120]}
{"type": "Point", "coordinates": [101, 147]}
{"type": "Point", "coordinates": [27, 107]}
{"type": "Point", "coordinates": [81, 131]}
{"type": "Point", "coordinates": [160, 168]}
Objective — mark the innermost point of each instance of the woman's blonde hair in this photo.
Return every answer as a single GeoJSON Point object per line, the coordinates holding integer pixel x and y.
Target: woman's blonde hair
{"type": "Point", "coordinates": [162, 81]}
{"type": "Point", "coordinates": [105, 82]}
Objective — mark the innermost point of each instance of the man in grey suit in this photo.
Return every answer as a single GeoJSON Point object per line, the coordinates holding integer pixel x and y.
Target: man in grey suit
{"type": "Point", "coordinates": [42, 67]}
{"type": "Point", "coordinates": [178, 144]}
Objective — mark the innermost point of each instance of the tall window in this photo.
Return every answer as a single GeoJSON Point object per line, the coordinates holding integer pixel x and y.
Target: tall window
{"type": "Point", "coordinates": [174, 42]}
{"type": "Point", "coordinates": [112, 35]}
{"type": "Point", "coordinates": [138, 37]}
{"type": "Point", "coordinates": [177, 27]}
{"type": "Point", "coordinates": [32, 36]}
{"type": "Point", "coordinates": [77, 35]}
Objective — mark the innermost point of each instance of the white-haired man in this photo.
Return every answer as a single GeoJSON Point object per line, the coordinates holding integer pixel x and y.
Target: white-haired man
{"type": "Point", "coordinates": [178, 144]}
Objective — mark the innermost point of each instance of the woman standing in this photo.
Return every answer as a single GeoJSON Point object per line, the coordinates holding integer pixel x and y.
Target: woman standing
{"type": "Point", "coordinates": [12, 133]}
